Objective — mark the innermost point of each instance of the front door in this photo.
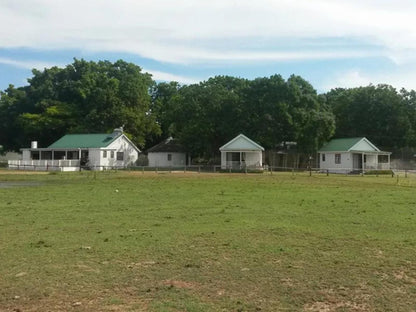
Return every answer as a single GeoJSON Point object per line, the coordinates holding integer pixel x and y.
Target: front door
{"type": "Point", "coordinates": [84, 157]}
{"type": "Point", "coordinates": [357, 161]}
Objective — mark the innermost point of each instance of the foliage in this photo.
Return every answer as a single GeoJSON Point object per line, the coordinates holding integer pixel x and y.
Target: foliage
{"type": "Point", "coordinates": [380, 113]}
{"type": "Point", "coordinates": [83, 97]}
{"type": "Point", "coordinates": [269, 110]}
{"type": "Point", "coordinates": [91, 97]}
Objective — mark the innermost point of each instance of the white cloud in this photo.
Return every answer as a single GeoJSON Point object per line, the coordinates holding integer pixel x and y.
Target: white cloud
{"type": "Point", "coordinates": [403, 78]}
{"type": "Point", "coordinates": [222, 32]}
{"type": "Point", "coordinates": [28, 64]}
{"type": "Point", "coordinates": [175, 30]}
{"type": "Point", "coordinates": [164, 76]}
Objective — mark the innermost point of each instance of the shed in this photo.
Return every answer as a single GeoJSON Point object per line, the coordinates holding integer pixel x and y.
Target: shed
{"type": "Point", "coordinates": [241, 152]}
{"type": "Point", "coordinates": [169, 153]}
{"type": "Point", "coordinates": [352, 154]}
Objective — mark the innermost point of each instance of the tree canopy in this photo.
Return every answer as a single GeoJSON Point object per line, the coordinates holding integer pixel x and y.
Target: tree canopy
{"type": "Point", "coordinates": [380, 113]}
{"type": "Point", "coordinates": [84, 97]}
{"type": "Point", "coordinates": [269, 110]}
{"type": "Point", "coordinates": [92, 97]}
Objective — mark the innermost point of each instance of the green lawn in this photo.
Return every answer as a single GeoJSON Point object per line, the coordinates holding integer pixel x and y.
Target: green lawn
{"type": "Point", "coordinates": [120, 241]}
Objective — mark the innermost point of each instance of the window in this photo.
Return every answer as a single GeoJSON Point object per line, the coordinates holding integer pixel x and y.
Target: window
{"type": "Point", "coordinates": [337, 158]}
{"type": "Point", "coordinates": [323, 157]}
{"type": "Point", "coordinates": [383, 159]}
{"type": "Point", "coordinates": [104, 154]}
{"type": "Point", "coordinates": [120, 155]}
{"type": "Point", "coordinates": [112, 154]}
{"type": "Point", "coordinates": [365, 158]}
{"type": "Point", "coordinates": [169, 157]}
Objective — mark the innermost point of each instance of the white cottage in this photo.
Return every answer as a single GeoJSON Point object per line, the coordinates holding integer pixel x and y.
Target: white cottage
{"type": "Point", "coordinates": [73, 151]}
{"type": "Point", "coordinates": [169, 153]}
{"type": "Point", "coordinates": [241, 152]}
{"type": "Point", "coordinates": [352, 154]}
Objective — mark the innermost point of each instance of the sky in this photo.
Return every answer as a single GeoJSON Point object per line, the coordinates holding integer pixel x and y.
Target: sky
{"type": "Point", "coordinates": [330, 43]}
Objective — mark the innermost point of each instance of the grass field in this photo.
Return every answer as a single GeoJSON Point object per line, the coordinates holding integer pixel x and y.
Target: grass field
{"type": "Point", "coordinates": [125, 241]}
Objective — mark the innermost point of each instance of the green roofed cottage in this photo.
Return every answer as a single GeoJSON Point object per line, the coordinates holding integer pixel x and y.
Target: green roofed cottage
{"type": "Point", "coordinates": [74, 151]}
{"type": "Point", "coordinates": [352, 155]}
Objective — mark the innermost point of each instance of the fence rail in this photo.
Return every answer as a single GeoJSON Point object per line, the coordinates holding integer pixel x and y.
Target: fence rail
{"type": "Point", "coordinates": [74, 165]}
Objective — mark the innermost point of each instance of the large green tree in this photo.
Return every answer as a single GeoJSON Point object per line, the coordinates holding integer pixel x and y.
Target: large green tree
{"type": "Point", "coordinates": [82, 97]}
{"type": "Point", "coordinates": [269, 110]}
{"type": "Point", "coordinates": [379, 113]}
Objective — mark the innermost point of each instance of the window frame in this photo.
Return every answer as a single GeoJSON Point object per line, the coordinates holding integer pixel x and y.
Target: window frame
{"type": "Point", "coordinates": [337, 159]}
{"type": "Point", "coordinates": [118, 158]}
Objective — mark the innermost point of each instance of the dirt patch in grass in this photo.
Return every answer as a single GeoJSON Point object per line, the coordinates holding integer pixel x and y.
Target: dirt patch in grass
{"type": "Point", "coordinates": [180, 284]}
{"type": "Point", "coordinates": [107, 300]}
{"type": "Point", "coordinates": [336, 306]}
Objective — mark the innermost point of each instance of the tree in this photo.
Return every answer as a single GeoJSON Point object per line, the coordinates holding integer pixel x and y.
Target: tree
{"type": "Point", "coordinates": [82, 97]}
{"type": "Point", "coordinates": [269, 110]}
{"type": "Point", "coordinates": [376, 112]}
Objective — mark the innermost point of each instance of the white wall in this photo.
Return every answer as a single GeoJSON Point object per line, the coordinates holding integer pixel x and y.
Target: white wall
{"type": "Point", "coordinates": [329, 163]}
{"type": "Point", "coordinates": [161, 160]}
{"type": "Point", "coordinates": [96, 156]}
{"type": "Point", "coordinates": [26, 154]}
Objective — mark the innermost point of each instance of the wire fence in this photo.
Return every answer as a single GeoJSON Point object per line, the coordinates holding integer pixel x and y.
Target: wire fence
{"type": "Point", "coordinates": [209, 169]}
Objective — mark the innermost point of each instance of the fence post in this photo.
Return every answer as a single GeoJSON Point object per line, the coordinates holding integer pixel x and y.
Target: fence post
{"type": "Point", "coordinates": [327, 172]}
{"type": "Point", "coordinates": [199, 169]}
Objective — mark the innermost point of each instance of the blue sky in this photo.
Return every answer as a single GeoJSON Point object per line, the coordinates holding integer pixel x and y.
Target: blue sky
{"type": "Point", "coordinates": [330, 43]}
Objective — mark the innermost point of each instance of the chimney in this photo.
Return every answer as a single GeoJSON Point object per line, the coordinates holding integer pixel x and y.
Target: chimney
{"type": "Point", "coordinates": [118, 131]}
{"type": "Point", "coordinates": [34, 144]}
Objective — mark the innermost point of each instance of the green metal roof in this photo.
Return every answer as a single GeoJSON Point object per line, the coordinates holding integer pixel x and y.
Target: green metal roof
{"type": "Point", "coordinates": [84, 140]}
{"type": "Point", "coordinates": [339, 145]}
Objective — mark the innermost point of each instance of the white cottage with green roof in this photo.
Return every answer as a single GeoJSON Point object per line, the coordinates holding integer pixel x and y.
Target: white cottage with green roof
{"type": "Point", "coordinates": [73, 151]}
{"type": "Point", "coordinates": [352, 154]}
{"type": "Point", "coordinates": [241, 152]}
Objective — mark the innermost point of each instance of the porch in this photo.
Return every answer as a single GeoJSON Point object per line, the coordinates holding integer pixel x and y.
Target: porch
{"type": "Point", "coordinates": [45, 165]}
{"type": "Point", "coordinates": [241, 160]}
{"type": "Point", "coordinates": [371, 161]}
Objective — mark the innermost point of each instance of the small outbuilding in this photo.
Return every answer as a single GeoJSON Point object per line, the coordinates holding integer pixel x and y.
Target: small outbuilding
{"type": "Point", "coordinates": [241, 152]}
{"type": "Point", "coordinates": [352, 155]}
{"type": "Point", "coordinates": [169, 153]}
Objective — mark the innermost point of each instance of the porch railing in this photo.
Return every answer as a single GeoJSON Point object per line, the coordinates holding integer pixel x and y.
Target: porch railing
{"type": "Point", "coordinates": [43, 164]}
